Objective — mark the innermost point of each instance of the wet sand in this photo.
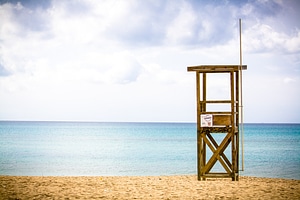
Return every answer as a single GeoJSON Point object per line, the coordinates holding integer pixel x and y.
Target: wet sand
{"type": "Point", "coordinates": [145, 187]}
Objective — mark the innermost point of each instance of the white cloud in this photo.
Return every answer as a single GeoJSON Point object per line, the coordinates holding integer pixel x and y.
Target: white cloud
{"type": "Point", "coordinates": [263, 38]}
{"type": "Point", "coordinates": [289, 80]}
{"type": "Point", "coordinates": [95, 59]}
{"type": "Point", "coordinates": [271, 98]}
{"type": "Point", "coordinates": [183, 26]}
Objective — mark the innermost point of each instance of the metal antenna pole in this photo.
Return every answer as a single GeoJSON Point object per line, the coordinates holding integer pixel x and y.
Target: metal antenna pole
{"type": "Point", "coordinates": [241, 93]}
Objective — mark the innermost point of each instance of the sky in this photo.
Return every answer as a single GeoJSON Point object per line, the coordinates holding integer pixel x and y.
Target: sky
{"type": "Point", "coordinates": [126, 61]}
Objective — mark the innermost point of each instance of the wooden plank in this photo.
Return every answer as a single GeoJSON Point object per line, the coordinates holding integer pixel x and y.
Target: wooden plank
{"type": "Point", "coordinates": [221, 120]}
{"type": "Point", "coordinates": [216, 129]}
{"type": "Point", "coordinates": [215, 68]}
{"type": "Point", "coordinates": [217, 175]}
{"type": "Point", "coordinates": [217, 113]}
{"type": "Point", "coordinates": [216, 101]}
{"type": "Point", "coordinates": [213, 141]}
{"type": "Point", "coordinates": [212, 144]}
{"type": "Point", "coordinates": [213, 159]}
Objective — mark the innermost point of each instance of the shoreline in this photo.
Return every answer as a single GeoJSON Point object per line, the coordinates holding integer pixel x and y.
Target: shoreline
{"type": "Point", "coordinates": [146, 187]}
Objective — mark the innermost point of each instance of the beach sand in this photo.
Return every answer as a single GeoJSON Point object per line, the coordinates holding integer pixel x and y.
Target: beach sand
{"type": "Point", "coordinates": [145, 187]}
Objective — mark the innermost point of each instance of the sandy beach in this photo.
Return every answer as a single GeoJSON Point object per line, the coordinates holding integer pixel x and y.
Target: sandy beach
{"type": "Point", "coordinates": [145, 187]}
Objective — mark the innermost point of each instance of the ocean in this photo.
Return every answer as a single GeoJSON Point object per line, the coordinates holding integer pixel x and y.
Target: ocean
{"type": "Point", "coordinates": [137, 149]}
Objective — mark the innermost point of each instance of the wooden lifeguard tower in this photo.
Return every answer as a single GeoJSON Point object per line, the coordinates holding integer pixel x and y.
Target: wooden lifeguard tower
{"type": "Point", "coordinates": [210, 121]}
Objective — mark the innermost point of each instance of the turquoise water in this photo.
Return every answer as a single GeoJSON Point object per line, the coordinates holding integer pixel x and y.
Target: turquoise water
{"type": "Point", "coordinates": [121, 149]}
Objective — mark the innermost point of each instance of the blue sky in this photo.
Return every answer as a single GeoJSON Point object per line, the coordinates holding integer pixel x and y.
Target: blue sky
{"type": "Point", "coordinates": [114, 60]}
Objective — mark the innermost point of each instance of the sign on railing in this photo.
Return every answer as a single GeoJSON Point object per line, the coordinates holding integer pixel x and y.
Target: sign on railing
{"type": "Point", "coordinates": [207, 120]}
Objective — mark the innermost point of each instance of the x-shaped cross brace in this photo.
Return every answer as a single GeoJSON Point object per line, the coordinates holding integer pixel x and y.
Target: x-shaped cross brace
{"type": "Point", "coordinates": [218, 152]}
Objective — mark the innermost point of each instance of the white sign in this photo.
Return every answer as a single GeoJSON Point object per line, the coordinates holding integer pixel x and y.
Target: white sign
{"type": "Point", "coordinates": [206, 120]}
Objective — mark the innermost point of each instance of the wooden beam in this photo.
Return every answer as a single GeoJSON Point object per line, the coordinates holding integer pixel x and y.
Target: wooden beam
{"type": "Point", "coordinates": [216, 68]}
{"type": "Point", "coordinates": [221, 120]}
{"type": "Point", "coordinates": [213, 159]}
{"type": "Point", "coordinates": [213, 141]}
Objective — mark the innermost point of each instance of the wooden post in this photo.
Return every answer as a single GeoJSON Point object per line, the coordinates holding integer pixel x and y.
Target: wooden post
{"type": "Point", "coordinates": [199, 141]}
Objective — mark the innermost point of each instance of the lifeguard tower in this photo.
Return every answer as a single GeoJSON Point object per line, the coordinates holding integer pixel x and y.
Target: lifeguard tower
{"type": "Point", "coordinates": [211, 121]}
